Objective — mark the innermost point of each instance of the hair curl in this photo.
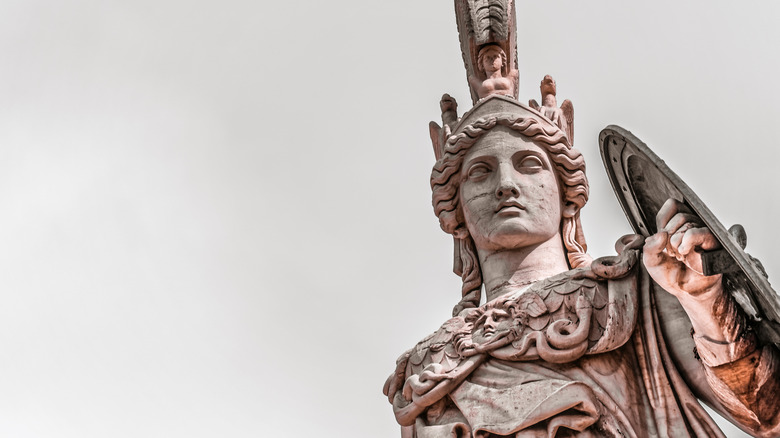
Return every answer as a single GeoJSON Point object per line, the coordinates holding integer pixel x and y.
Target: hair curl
{"type": "Point", "coordinates": [445, 183]}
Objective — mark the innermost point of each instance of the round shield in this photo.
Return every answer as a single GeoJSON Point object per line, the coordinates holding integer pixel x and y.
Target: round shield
{"type": "Point", "coordinates": [642, 183]}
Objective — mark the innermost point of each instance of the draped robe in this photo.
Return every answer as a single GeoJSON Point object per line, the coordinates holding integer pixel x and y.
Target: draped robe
{"type": "Point", "coordinates": [579, 354]}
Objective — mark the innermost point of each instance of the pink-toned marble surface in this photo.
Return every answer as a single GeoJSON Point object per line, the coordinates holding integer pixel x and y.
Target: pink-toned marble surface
{"type": "Point", "coordinates": [565, 345]}
{"type": "Point", "coordinates": [563, 117]}
{"type": "Point", "coordinates": [494, 76]}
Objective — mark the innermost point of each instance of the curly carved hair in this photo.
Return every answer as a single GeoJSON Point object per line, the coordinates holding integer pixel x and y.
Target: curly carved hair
{"type": "Point", "coordinates": [569, 166]}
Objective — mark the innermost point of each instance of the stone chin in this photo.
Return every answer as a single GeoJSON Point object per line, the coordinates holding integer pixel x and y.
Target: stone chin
{"type": "Point", "coordinates": [515, 233]}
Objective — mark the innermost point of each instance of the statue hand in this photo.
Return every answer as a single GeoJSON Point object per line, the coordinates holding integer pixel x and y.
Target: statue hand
{"type": "Point", "coordinates": [672, 255]}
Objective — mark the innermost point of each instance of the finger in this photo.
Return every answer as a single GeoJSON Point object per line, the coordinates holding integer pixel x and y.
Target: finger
{"type": "Point", "coordinates": [680, 219]}
{"type": "Point", "coordinates": [653, 250]}
{"type": "Point", "coordinates": [665, 214]}
{"type": "Point", "coordinates": [676, 239]}
{"type": "Point", "coordinates": [668, 210]}
{"type": "Point", "coordinates": [697, 238]}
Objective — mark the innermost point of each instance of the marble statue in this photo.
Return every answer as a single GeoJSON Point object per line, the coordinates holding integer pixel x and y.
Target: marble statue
{"type": "Point", "coordinates": [494, 79]}
{"type": "Point", "coordinates": [487, 30]}
{"type": "Point", "coordinates": [449, 118]}
{"type": "Point", "coordinates": [563, 116]}
{"type": "Point", "coordinates": [563, 344]}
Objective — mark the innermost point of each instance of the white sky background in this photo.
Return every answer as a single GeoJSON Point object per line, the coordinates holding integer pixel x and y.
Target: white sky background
{"type": "Point", "coordinates": [216, 216]}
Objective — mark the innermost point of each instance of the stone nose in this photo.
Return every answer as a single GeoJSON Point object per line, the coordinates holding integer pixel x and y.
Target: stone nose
{"type": "Point", "coordinates": [507, 186]}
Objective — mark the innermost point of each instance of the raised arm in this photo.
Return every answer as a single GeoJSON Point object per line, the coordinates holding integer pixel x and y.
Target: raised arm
{"type": "Point", "coordinates": [743, 374]}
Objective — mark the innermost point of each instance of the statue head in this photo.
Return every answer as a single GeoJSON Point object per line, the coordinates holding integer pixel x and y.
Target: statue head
{"type": "Point", "coordinates": [491, 58]}
{"type": "Point", "coordinates": [547, 86]}
{"type": "Point", "coordinates": [448, 103]}
{"type": "Point", "coordinates": [494, 325]}
{"type": "Point", "coordinates": [546, 167]}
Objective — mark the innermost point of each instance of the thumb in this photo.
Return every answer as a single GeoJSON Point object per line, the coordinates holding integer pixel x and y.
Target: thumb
{"type": "Point", "coordinates": [654, 249]}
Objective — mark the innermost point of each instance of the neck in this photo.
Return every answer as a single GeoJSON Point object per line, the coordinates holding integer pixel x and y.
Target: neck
{"type": "Point", "coordinates": [504, 271]}
{"type": "Point", "coordinates": [549, 100]}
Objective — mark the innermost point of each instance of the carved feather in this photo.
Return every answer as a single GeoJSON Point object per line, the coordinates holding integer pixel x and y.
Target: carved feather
{"type": "Point", "coordinates": [483, 22]}
{"type": "Point", "coordinates": [436, 348]}
{"type": "Point", "coordinates": [435, 131]}
{"type": "Point", "coordinates": [568, 111]}
{"type": "Point", "coordinates": [489, 20]}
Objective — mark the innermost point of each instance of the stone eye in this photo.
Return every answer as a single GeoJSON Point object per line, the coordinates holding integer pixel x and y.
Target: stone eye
{"type": "Point", "coordinates": [530, 162]}
{"type": "Point", "coordinates": [478, 171]}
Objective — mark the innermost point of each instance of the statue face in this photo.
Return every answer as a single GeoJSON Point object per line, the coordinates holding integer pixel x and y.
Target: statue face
{"type": "Point", "coordinates": [509, 192]}
{"type": "Point", "coordinates": [492, 61]}
{"type": "Point", "coordinates": [493, 323]}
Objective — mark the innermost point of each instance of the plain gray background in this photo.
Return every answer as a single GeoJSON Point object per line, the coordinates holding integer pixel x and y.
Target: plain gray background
{"type": "Point", "coordinates": [216, 216]}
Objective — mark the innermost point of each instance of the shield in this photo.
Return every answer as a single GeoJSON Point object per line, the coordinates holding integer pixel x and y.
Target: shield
{"type": "Point", "coordinates": [642, 183]}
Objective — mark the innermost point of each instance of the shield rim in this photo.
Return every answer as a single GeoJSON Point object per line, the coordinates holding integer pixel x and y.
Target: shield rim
{"type": "Point", "coordinates": [614, 164]}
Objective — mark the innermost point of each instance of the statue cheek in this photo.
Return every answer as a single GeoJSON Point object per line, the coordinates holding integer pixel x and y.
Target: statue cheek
{"type": "Point", "coordinates": [477, 202]}
{"type": "Point", "coordinates": [547, 195]}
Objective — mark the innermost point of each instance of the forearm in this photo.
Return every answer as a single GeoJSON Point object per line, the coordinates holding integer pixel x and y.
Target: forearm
{"type": "Point", "coordinates": [744, 375]}
{"type": "Point", "coordinates": [710, 315]}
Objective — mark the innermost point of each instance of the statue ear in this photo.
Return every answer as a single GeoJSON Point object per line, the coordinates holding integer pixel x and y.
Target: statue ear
{"type": "Point", "coordinates": [569, 209]}
{"type": "Point", "coordinates": [461, 232]}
